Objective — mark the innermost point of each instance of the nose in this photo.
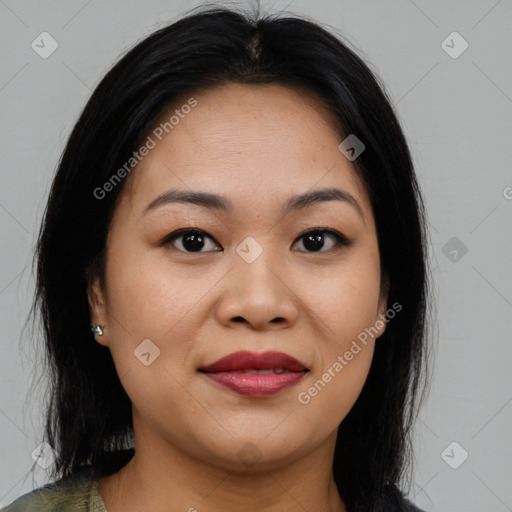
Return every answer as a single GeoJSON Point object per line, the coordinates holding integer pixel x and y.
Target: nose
{"type": "Point", "coordinates": [258, 295]}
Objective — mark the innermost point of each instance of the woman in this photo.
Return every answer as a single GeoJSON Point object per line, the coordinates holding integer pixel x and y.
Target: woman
{"type": "Point", "coordinates": [237, 219]}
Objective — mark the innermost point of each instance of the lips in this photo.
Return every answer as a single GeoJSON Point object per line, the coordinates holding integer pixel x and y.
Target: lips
{"type": "Point", "coordinates": [240, 361]}
{"type": "Point", "coordinates": [256, 375]}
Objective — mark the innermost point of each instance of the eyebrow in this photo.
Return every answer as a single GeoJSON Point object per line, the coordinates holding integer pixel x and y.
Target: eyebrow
{"type": "Point", "coordinates": [221, 203]}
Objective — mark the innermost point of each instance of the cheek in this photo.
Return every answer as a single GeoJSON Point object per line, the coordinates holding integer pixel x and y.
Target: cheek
{"type": "Point", "coordinates": [148, 295]}
{"type": "Point", "coordinates": [333, 392]}
{"type": "Point", "coordinates": [345, 353]}
{"type": "Point", "coordinates": [347, 304]}
{"type": "Point", "coordinates": [346, 298]}
{"type": "Point", "coordinates": [147, 308]}
{"type": "Point", "coordinates": [149, 302]}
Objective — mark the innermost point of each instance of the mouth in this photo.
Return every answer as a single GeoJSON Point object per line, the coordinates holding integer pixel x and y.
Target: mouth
{"type": "Point", "coordinates": [256, 375]}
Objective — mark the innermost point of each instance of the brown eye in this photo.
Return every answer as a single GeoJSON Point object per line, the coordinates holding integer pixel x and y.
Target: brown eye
{"type": "Point", "coordinates": [322, 240]}
{"type": "Point", "coordinates": [190, 240]}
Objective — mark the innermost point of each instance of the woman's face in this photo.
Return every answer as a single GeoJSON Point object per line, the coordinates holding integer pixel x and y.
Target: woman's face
{"type": "Point", "coordinates": [257, 278]}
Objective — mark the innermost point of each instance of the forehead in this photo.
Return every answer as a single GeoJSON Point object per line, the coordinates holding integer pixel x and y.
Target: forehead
{"type": "Point", "coordinates": [248, 142]}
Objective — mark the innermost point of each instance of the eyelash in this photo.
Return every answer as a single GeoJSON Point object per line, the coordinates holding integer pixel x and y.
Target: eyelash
{"type": "Point", "coordinates": [340, 239]}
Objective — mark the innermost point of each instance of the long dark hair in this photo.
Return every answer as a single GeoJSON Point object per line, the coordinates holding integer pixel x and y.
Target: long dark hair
{"type": "Point", "coordinates": [89, 413]}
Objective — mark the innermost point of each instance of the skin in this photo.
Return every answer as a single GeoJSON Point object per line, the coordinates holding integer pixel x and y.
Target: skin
{"type": "Point", "coordinates": [257, 145]}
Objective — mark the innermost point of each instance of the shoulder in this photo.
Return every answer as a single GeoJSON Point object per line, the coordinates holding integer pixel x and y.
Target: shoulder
{"type": "Point", "coordinates": [77, 493]}
{"type": "Point", "coordinates": [64, 495]}
{"type": "Point", "coordinates": [394, 500]}
{"type": "Point", "coordinates": [411, 507]}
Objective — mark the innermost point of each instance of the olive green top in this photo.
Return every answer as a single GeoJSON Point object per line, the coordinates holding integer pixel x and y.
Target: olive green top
{"type": "Point", "coordinates": [78, 493]}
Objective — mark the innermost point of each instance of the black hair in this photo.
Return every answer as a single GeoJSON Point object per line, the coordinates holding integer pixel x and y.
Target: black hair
{"type": "Point", "coordinates": [89, 413]}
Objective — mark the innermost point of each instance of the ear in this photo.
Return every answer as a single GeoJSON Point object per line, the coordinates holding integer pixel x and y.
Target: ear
{"type": "Point", "coordinates": [380, 321]}
{"type": "Point", "coordinates": [97, 308]}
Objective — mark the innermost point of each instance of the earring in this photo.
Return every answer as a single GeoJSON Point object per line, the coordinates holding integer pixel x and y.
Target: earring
{"type": "Point", "coordinates": [97, 329]}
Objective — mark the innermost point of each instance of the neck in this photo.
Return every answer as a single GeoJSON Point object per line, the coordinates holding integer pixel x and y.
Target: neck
{"type": "Point", "coordinates": [164, 478]}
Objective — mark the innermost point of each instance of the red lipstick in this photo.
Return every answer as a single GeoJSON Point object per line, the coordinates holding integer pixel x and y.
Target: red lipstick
{"type": "Point", "coordinates": [256, 375]}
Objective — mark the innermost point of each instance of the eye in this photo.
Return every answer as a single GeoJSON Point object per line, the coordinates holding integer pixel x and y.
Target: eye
{"type": "Point", "coordinates": [195, 240]}
{"type": "Point", "coordinates": [190, 240]}
{"type": "Point", "coordinates": [314, 240]}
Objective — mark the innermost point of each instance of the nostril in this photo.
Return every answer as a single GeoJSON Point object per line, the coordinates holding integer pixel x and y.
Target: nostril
{"type": "Point", "coordinates": [238, 319]}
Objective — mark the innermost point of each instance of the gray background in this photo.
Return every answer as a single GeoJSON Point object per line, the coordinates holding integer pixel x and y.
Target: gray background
{"type": "Point", "coordinates": [457, 115]}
